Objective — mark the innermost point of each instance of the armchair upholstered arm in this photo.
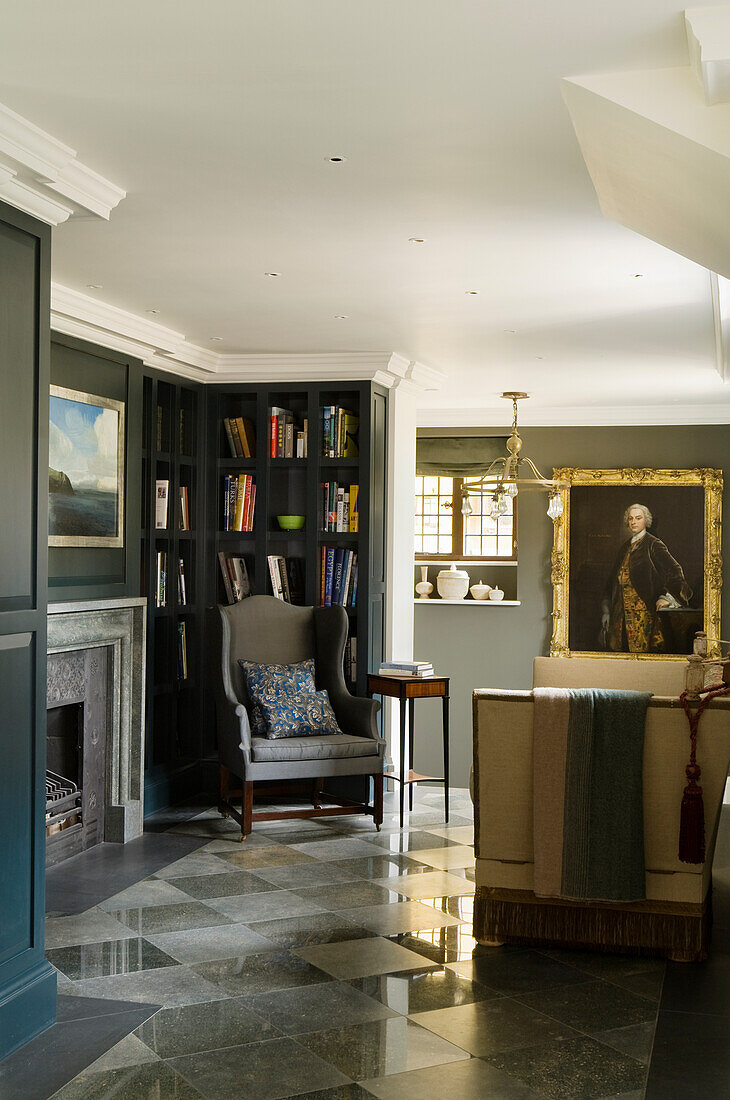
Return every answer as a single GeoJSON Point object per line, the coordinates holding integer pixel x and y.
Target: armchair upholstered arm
{"type": "Point", "coordinates": [234, 729]}
{"type": "Point", "coordinates": [355, 714]}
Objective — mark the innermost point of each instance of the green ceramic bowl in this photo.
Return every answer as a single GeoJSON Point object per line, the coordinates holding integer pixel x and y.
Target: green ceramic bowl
{"type": "Point", "coordinates": [290, 523]}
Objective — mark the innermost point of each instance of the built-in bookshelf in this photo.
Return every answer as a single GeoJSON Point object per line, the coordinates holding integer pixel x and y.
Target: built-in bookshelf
{"type": "Point", "coordinates": [171, 543]}
{"type": "Point", "coordinates": [308, 442]}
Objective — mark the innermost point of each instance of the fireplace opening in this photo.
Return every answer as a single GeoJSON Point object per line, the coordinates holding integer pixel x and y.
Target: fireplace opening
{"type": "Point", "coordinates": [64, 768]}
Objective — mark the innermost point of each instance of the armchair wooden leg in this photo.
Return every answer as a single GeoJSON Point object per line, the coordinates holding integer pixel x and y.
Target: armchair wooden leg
{"type": "Point", "coordinates": [246, 809]}
{"type": "Point", "coordinates": [223, 792]}
{"type": "Point", "coordinates": [317, 788]}
{"type": "Point", "coordinates": [378, 801]}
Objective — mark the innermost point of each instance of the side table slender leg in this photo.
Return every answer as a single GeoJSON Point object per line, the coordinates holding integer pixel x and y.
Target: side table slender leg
{"type": "Point", "coordinates": [402, 753]}
{"type": "Point", "coordinates": [411, 718]}
{"type": "Point", "coordinates": [446, 755]}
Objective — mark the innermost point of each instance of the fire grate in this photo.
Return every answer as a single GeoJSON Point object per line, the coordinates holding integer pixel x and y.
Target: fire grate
{"type": "Point", "coordinates": [63, 803]}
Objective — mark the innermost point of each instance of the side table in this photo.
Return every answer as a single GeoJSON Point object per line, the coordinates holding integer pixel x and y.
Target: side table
{"type": "Point", "coordinates": [407, 689]}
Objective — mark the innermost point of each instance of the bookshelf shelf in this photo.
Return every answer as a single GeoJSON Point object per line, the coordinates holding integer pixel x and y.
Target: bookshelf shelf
{"type": "Point", "coordinates": [236, 464]}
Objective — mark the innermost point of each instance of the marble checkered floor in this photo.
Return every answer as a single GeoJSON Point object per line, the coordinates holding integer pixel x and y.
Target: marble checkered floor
{"type": "Point", "coordinates": [322, 959]}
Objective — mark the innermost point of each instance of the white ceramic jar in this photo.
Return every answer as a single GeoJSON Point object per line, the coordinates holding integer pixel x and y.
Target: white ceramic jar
{"type": "Point", "coordinates": [496, 594]}
{"type": "Point", "coordinates": [480, 591]}
{"type": "Point", "coordinates": [453, 583]}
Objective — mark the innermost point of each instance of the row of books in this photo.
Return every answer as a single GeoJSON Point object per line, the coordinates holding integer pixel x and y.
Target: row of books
{"type": "Point", "coordinates": [406, 668]}
{"type": "Point", "coordinates": [350, 660]}
{"type": "Point", "coordinates": [235, 576]}
{"type": "Point", "coordinates": [241, 436]}
{"type": "Point", "coordinates": [161, 581]}
{"type": "Point", "coordinates": [182, 651]}
{"type": "Point", "coordinates": [338, 577]}
{"type": "Point", "coordinates": [239, 500]}
{"type": "Point", "coordinates": [183, 448]}
{"type": "Point", "coordinates": [287, 578]}
{"type": "Point", "coordinates": [287, 439]}
{"type": "Point", "coordinates": [338, 509]}
{"type": "Point", "coordinates": [162, 493]}
{"type": "Point", "coordinates": [339, 432]}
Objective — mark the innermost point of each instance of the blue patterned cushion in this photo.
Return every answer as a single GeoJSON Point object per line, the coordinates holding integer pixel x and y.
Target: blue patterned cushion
{"type": "Point", "coordinates": [275, 680]}
{"type": "Point", "coordinates": [298, 715]}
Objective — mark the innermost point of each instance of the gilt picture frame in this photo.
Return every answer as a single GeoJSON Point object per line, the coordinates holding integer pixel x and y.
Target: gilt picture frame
{"type": "Point", "coordinates": [85, 469]}
{"type": "Point", "coordinates": [636, 567]}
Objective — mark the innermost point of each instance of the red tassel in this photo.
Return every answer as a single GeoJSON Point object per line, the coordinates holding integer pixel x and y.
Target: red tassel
{"type": "Point", "coordinates": [692, 825]}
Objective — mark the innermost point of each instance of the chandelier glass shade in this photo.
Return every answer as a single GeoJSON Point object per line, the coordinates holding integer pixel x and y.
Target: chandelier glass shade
{"type": "Point", "coordinates": [508, 475]}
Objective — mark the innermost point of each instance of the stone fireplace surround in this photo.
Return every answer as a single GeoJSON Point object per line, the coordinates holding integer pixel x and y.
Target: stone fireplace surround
{"type": "Point", "coordinates": [121, 625]}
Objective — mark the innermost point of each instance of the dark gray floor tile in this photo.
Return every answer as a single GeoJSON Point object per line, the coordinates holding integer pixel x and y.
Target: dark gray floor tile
{"type": "Point", "coordinates": [315, 928]}
{"type": "Point", "coordinates": [170, 918]}
{"type": "Point", "coordinates": [86, 1008]}
{"type": "Point", "coordinates": [267, 1070]}
{"type": "Point", "coordinates": [489, 1026]}
{"type": "Point", "coordinates": [315, 1007]}
{"type": "Point", "coordinates": [468, 1080]}
{"type": "Point", "coordinates": [307, 874]}
{"type": "Point", "coordinates": [381, 867]}
{"type": "Point", "coordinates": [339, 848]}
{"type": "Point", "coordinates": [576, 1069]}
{"type": "Point", "coordinates": [639, 975]}
{"type": "Point", "coordinates": [635, 1040]}
{"type": "Point", "coordinates": [276, 855]}
{"type": "Point", "coordinates": [227, 884]}
{"type": "Point", "coordinates": [259, 973]}
{"type": "Point", "coordinates": [348, 895]}
{"type": "Point", "coordinates": [342, 1092]}
{"type": "Point", "coordinates": [517, 971]}
{"type": "Point", "coordinates": [422, 991]}
{"type": "Point", "coordinates": [691, 1057]}
{"type": "Point", "coordinates": [212, 1025]}
{"type": "Point", "coordinates": [98, 960]}
{"type": "Point", "coordinates": [594, 1007]}
{"type": "Point", "coordinates": [379, 1048]}
{"type": "Point", "coordinates": [145, 1082]}
{"type": "Point", "coordinates": [698, 987]}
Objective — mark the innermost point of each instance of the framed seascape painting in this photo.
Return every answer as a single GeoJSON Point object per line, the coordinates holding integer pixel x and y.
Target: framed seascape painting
{"type": "Point", "coordinates": [636, 564]}
{"type": "Point", "coordinates": [86, 470]}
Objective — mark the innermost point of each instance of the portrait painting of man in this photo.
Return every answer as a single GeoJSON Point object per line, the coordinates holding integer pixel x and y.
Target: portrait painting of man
{"type": "Point", "coordinates": [630, 562]}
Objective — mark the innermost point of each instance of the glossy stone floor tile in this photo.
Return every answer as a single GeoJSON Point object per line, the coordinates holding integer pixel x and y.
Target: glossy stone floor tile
{"type": "Point", "coordinates": [313, 929]}
{"type": "Point", "coordinates": [131, 1051]}
{"type": "Point", "coordinates": [170, 918]}
{"type": "Point", "coordinates": [267, 1070]}
{"type": "Point", "coordinates": [349, 895]}
{"type": "Point", "coordinates": [459, 834]}
{"type": "Point", "coordinates": [199, 863]}
{"type": "Point", "coordinates": [307, 874]}
{"type": "Point", "coordinates": [470, 1080]}
{"type": "Point", "coordinates": [190, 1029]}
{"type": "Point", "coordinates": [513, 971]}
{"type": "Point", "coordinates": [461, 906]}
{"type": "Point", "coordinates": [691, 1057]}
{"type": "Point", "coordinates": [260, 973]}
{"type": "Point", "coordinates": [414, 841]}
{"type": "Point", "coordinates": [447, 859]}
{"type": "Point", "coordinates": [142, 1082]}
{"type": "Point", "coordinates": [151, 891]}
{"type": "Point", "coordinates": [339, 848]}
{"type": "Point", "coordinates": [70, 1007]}
{"type": "Point", "coordinates": [382, 867]}
{"type": "Point", "coordinates": [380, 1048]}
{"type": "Point", "coordinates": [90, 927]}
{"type": "Point", "coordinates": [352, 1091]}
{"type": "Point", "coordinates": [264, 906]}
{"type": "Point", "coordinates": [400, 916]}
{"type": "Point", "coordinates": [316, 1007]}
{"type": "Point", "coordinates": [230, 883]}
{"type": "Point", "coordinates": [636, 1040]}
{"type": "Point", "coordinates": [698, 987]}
{"type": "Point", "coordinates": [99, 960]}
{"type": "Point", "coordinates": [200, 944]}
{"type": "Point", "coordinates": [421, 990]}
{"type": "Point", "coordinates": [359, 958]}
{"type": "Point", "coordinates": [577, 1069]}
{"type": "Point", "coordinates": [278, 855]}
{"type": "Point", "coordinates": [440, 945]}
{"type": "Point", "coordinates": [498, 1023]}
{"type": "Point", "coordinates": [172, 985]}
{"type": "Point", "coordinates": [431, 884]}
{"type": "Point", "coordinates": [642, 976]}
{"type": "Point", "coordinates": [594, 1007]}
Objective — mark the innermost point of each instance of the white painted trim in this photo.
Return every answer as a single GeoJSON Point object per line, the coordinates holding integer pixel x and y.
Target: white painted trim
{"type": "Point", "coordinates": [418, 602]}
{"type": "Point", "coordinates": [579, 416]}
{"type": "Point", "coordinates": [720, 292]}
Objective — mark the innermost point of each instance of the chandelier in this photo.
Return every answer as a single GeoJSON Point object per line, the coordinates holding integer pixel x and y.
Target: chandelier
{"type": "Point", "coordinates": [506, 476]}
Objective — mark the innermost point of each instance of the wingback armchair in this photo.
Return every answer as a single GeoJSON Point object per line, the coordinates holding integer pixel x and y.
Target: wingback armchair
{"type": "Point", "coordinates": [269, 631]}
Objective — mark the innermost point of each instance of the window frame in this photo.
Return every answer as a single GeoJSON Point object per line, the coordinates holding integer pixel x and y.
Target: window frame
{"type": "Point", "coordinates": [457, 532]}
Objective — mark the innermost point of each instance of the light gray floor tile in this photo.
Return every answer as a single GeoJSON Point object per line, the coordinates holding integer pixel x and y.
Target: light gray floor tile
{"type": "Point", "coordinates": [460, 834]}
{"type": "Point", "coordinates": [229, 883]}
{"type": "Point", "coordinates": [468, 1080]}
{"type": "Point", "coordinates": [151, 891]}
{"type": "Point", "coordinates": [380, 1048]}
{"type": "Point", "coordinates": [447, 859]}
{"type": "Point", "coordinates": [430, 884]}
{"type": "Point", "coordinates": [316, 1007]}
{"type": "Point", "coordinates": [93, 926]}
{"type": "Point", "coordinates": [349, 895]}
{"type": "Point", "coordinates": [307, 875]}
{"type": "Point", "coordinates": [341, 848]}
{"type": "Point", "coordinates": [198, 863]}
{"type": "Point", "coordinates": [359, 958]}
{"type": "Point", "coordinates": [170, 918]}
{"type": "Point", "coordinates": [130, 1052]}
{"type": "Point", "coordinates": [173, 985]}
{"type": "Point", "coordinates": [200, 944]}
{"type": "Point", "coordinates": [265, 906]}
{"type": "Point", "coordinates": [401, 916]}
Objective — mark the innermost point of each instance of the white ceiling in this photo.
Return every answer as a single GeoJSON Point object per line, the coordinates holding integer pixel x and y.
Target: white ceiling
{"type": "Point", "coordinates": [217, 121]}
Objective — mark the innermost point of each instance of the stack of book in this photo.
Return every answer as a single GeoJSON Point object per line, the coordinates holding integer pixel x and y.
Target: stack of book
{"type": "Point", "coordinates": [338, 577]}
{"type": "Point", "coordinates": [235, 576]}
{"type": "Point", "coordinates": [339, 432]}
{"type": "Point", "coordinates": [287, 580]}
{"type": "Point", "coordinates": [241, 436]}
{"type": "Point", "coordinates": [406, 668]}
{"type": "Point", "coordinates": [286, 439]}
{"type": "Point", "coordinates": [338, 509]}
{"type": "Point", "coordinates": [239, 499]}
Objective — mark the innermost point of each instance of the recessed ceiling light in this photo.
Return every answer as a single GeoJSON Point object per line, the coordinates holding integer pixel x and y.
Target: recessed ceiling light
{"type": "Point", "coordinates": [510, 331]}
{"type": "Point", "coordinates": [539, 356]}
{"type": "Point", "coordinates": [337, 159]}
{"type": "Point", "coordinates": [152, 311]}
{"type": "Point", "coordinates": [471, 291]}
{"type": "Point", "coordinates": [94, 286]}
{"type": "Point", "coordinates": [341, 317]}
{"type": "Point", "coordinates": [216, 337]}
{"type": "Point", "coordinates": [416, 240]}
{"type": "Point", "coordinates": [272, 274]}
{"type": "Point", "coordinates": [640, 276]}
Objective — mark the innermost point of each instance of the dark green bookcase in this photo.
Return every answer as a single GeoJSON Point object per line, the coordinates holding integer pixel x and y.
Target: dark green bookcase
{"type": "Point", "coordinates": [291, 486]}
{"type": "Point", "coordinates": [173, 450]}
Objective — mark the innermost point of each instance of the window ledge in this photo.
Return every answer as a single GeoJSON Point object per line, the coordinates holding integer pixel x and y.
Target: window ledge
{"type": "Point", "coordinates": [467, 603]}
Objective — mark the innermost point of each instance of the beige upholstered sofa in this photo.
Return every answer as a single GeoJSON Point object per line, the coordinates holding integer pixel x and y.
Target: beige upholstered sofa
{"type": "Point", "coordinates": [674, 919]}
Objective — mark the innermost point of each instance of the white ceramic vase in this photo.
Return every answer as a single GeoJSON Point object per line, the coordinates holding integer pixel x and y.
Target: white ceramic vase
{"type": "Point", "coordinates": [424, 588]}
{"type": "Point", "coordinates": [453, 583]}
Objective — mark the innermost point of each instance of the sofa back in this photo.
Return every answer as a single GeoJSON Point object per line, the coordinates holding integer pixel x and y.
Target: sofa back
{"type": "Point", "coordinates": [661, 677]}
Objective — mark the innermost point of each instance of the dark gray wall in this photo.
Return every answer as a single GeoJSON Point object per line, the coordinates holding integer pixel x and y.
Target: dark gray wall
{"type": "Point", "coordinates": [94, 572]}
{"type": "Point", "coordinates": [494, 646]}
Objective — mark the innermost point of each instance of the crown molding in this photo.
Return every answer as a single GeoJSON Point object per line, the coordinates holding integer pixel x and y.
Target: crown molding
{"type": "Point", "coordinates": [578, 416]}
{"type": "Point", "coordinates": [77, 314]}
{"type": "Point", "coordinates": [720, 292]}
{"type": "Point", "coordinates": [38, 172]}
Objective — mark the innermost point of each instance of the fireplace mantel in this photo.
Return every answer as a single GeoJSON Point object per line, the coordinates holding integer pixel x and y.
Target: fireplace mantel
{"type": "Point", "coordinates": [121, 625]}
